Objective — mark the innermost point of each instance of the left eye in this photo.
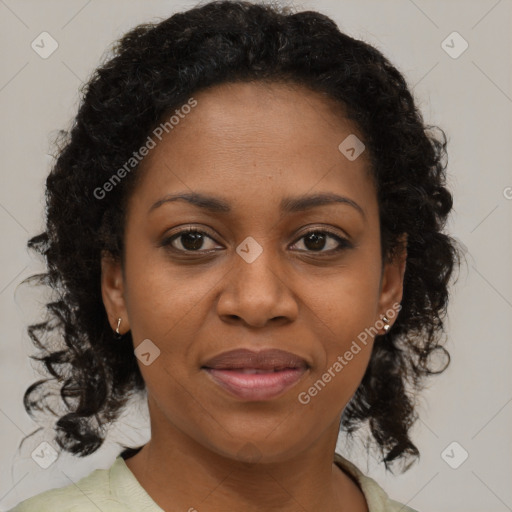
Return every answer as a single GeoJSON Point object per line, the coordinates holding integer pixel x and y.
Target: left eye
{"type": "Point", "coordinates": [316, 240]}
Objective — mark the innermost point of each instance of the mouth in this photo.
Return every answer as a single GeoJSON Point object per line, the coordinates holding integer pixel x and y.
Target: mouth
{"type": "Point", "coordinates": [256, 376]}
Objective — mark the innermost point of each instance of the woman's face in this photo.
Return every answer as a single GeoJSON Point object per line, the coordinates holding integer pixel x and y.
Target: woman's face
{"type": "Point", "coordinates": [251, 277]}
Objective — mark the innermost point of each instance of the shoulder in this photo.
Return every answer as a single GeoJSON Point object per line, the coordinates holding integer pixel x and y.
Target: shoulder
{"type": "Point", "coordinates": [89, 494]}
{"type": "Point", "coordinates": [376, 497]}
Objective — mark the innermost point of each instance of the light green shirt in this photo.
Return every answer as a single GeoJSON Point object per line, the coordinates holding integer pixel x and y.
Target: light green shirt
{"type": "Point", "coordinates": [117, 490]}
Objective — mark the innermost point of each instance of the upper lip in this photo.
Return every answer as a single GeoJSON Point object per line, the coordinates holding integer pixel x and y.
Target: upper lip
{"type": "Point", "coordinates": [270, 359]}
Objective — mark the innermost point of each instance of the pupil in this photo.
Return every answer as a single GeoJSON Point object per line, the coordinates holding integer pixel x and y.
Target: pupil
{"type": "Point", "coordinates": [318, 241]}
{"type": "Point", "coordinates": [195, 238]}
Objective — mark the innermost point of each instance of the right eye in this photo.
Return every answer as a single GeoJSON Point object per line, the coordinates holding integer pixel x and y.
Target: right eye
{"type": "Point", "coordinates": [190, 240]}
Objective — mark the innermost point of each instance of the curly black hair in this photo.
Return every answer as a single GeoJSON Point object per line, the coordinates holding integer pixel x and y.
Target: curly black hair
{"type": "Point", "coordinates": [151, 71]}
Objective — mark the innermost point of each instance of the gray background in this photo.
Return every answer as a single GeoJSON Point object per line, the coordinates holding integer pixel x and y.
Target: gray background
{"type": "Point", "coordinates": [469, 96]}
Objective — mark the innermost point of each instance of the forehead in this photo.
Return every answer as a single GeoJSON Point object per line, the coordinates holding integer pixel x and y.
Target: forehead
{"type": "Point", "coordinates": [252, 139]}
{"type": "Point", "coordinates": [255, 115]}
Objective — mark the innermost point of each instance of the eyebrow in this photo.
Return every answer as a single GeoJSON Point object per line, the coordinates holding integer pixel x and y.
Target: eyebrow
{"type": "Point", "coordinates": [287, 205]}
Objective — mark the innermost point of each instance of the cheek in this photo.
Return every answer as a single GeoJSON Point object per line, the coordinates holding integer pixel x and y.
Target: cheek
{"type": "Point", "coordinates": [349, 301]}
{"type": "Point", "coordinates": [345, 319]}
{"type": "Point", "coordinates": [160, 296]}
{"type": "Point", "coordinates": [345, 334]}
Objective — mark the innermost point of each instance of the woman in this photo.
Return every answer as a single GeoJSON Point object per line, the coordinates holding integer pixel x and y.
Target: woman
{"type": "Point", "coordinates": [245, 223]}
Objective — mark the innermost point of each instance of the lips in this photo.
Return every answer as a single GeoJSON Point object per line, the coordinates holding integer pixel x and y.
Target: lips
{"type": "Point", "coordinates": [268, 360]}
{"type": "Point", "coordinates": [256, 376]}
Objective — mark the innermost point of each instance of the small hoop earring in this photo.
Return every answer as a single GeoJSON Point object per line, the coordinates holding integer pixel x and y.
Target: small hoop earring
{"type": "Point", "coordinates": [118, 335]}
{"type": "Point", "coordinates": [386, 322]}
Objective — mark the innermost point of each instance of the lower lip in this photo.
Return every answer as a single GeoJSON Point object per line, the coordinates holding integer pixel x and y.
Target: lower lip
{"type": "Point", "coordinates": [256, 386]}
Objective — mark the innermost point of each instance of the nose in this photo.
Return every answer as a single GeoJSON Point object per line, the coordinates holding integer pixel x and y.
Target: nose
{"type": "Point", "coordinates": [257, 293]}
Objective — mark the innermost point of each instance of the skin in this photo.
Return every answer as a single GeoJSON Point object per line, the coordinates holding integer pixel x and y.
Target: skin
{"type": "Point", "coordinates": [251, 145]}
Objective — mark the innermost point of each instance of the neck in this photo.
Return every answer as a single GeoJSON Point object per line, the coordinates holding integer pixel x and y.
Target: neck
{"type": "Point", "coordinates": [181, 474]}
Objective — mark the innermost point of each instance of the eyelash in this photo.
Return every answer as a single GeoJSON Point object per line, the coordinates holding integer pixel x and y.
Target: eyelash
{"type": "Point", "coordinates": [343, 242]}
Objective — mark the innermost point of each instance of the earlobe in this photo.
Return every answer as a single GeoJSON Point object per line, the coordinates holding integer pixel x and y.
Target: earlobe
{"type": "Point", "coordinates": [112, 292]}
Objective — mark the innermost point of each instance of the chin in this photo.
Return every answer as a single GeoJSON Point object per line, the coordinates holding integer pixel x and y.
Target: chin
{"type": "Point", "coordinates": [259, 449]}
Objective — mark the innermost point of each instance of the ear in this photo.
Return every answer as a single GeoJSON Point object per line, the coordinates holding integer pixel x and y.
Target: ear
{"type": "Point", "coordinates": [392, 281]}
{"type": "Point", "coordinates": [112, 292]}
